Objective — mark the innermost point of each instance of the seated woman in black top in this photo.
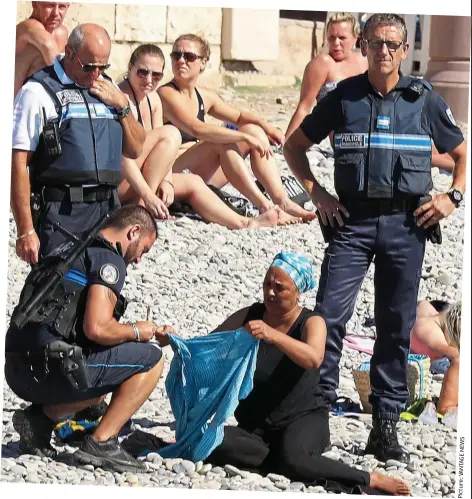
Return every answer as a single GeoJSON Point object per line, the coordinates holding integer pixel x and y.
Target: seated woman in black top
{"type": "Point", "coordinates": [283, 425]}
{"type": "Point", "coordinates": [151, 181]}
{"type": "Point", "coordinates": [217, 153]}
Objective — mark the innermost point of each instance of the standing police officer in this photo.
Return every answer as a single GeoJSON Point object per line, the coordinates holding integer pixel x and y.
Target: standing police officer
{"type": "Point", "coordinates": [383, 123]}
{"type": "Point", "coordinates": [71, 126]}
{"type": "Point", "coordinates": [82, 316]}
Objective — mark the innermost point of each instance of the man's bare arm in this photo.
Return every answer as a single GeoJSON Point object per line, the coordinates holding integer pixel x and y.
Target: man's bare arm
{"type": "Point", "coordinates": [102, 328]}
{"type": "Point", "coordinates": [20, 192]}
{"type": "Point", "coordinates": [33, 32]}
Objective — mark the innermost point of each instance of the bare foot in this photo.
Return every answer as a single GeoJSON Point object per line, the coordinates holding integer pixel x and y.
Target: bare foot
{"type": "Point", "coordinates": [394, 486]}
{"type": "Point", "coordinates": [286, 219]}
{"type": "Point", "coordinates": [270, 218]}
{"type": "Point", "coordinates": [297, 211]}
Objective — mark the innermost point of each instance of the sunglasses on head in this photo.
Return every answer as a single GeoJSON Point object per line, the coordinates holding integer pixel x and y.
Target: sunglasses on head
{"type": "Point", "coordinates": [392, 45]}
{"type": "Point", "coordinates": [92, 66]}
{"type": "Point", "coordinates": [143, 73]}
{"type": "Point", "coordinates": [188, 56]}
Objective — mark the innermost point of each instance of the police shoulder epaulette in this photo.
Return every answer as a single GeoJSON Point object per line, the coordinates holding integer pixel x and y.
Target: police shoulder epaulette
{"type": "Point", "coordinates": [418, 85]}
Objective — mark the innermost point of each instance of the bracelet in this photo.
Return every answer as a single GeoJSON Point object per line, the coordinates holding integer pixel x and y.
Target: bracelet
{"type": "Point", "coordinates": [136, 332]}
{"type": "Point", "coordinates": [169, 182]}
{"type": "Point", "coordinates": [26, 234]}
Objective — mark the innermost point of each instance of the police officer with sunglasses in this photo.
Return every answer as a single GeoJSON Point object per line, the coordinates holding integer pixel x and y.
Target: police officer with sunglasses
{"type": "Point", "coordinates": [71, 127]}
{"type": "Point", "coordinates": [384, 124]}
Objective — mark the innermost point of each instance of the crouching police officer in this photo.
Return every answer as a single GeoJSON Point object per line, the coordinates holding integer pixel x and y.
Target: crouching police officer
{"type": "Point", "coordinates": [71, 127]}
{"type": "Point", "coordinates": [74, 351]}
{"type": "Point", "coordinates": [383, 124]}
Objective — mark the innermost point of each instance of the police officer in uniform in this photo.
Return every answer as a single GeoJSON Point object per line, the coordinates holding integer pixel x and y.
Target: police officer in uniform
{"type": "Point", "coordinates": [383, 123]}
{"type": "Point", "coordinates": [112, 357]}
{"type": "Point", "coordinates": [71, 127]}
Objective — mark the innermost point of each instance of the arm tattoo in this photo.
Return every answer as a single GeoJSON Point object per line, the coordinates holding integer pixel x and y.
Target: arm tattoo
{"type": "Point", "coordinates": [111, 296]}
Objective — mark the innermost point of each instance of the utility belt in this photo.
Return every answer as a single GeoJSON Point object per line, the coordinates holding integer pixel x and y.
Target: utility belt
{"type": "Point", "coordinates": [69, 358]}
{"type": "Point", "coordinates": [78, 194]}
{"type": "Point", "coordinates": [381, 206]}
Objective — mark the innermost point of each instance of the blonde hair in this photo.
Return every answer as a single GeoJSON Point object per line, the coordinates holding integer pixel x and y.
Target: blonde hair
{"type": "Point", "coordinates": [452, 324]}
{"type": "Point", "coordinates": [204, 45]}
{"type": "Point", "coordinates": [345, 17]}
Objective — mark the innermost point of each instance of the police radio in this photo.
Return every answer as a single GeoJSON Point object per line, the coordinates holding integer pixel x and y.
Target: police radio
{"type": "Point", "coordinates": [51, 137]}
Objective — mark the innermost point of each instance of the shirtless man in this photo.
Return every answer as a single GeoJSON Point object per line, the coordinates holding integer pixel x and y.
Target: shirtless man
{"type": "Point", "coordinates": [436, 333]}
{"type": "Point", "coordinates": [39, 39]}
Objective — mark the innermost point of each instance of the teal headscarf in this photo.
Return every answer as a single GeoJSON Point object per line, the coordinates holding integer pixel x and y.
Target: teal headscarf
{"type": "Point", "coordinates": [299, 269]}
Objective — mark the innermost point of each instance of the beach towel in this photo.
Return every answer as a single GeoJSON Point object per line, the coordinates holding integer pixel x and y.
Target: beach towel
{"type": "Point", "coordinates": [207, 378]}
{"type": "Point", "coordinates": [359, 343]}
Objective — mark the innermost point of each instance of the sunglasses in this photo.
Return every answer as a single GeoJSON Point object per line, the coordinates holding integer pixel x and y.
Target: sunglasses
{"type": "Point", "coordinates": [144, 73]}
{"type": "Point", "coordinates": [188, 56]}
{"type": "Point", "coordinates": [92, 66]}
{"type": "Point", "coordinates": [392, 45]}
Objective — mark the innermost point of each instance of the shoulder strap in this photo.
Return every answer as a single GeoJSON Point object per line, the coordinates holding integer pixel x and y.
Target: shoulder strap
{"type": "Point", "coordinates": [48, 79]}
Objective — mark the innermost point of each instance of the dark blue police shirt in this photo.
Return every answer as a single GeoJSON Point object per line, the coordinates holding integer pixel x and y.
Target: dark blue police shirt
{"type": "Point", "coordinates": [327, 115]}
{"type": "Point", "coordinates": [99, 264]}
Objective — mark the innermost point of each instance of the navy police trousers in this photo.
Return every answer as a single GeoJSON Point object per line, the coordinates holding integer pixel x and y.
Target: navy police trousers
{"type": "Point", "coordinates": [398, 246]}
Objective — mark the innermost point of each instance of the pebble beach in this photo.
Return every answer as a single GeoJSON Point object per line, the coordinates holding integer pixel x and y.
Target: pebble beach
{"type": "Point", "coordinates": [195, 276]}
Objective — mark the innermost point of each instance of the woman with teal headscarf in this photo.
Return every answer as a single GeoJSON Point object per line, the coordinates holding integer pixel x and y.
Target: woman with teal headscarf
{"type": "Point", "coordinates": [283, 424]}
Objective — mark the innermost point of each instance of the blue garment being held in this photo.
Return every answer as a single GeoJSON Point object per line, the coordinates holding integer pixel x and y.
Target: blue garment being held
{"type": "Point", "coordinates": [207, 378]}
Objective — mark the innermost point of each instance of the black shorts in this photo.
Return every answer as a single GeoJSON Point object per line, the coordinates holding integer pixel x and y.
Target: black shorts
{"type": "Point", "coordinates": [108, 368]}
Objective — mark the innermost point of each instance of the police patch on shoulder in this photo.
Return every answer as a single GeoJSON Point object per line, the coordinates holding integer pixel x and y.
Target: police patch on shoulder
{"type": "Point", "coordinates": [109, 273]}
{"type": "Point", "coordinates": [450, 116]}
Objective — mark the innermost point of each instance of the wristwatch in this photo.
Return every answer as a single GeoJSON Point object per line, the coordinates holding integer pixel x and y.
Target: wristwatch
{"type": "Point", "coordinates": [124, 112]}
{"type": "Point", "coordinates": [456, 196]}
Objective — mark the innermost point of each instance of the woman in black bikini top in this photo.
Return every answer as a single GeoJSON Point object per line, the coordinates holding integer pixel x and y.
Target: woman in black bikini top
{"type": "Point", "coordinates": [186, 137]}
{"type": "Point", "coordinates": [217, 153]}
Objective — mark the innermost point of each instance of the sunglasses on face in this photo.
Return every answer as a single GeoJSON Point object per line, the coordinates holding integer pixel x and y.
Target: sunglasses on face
{"type": "Point", "coordinates": [188, 56]}
{"type": "Point", "coordinates": [92, 66]}
{"type": "Point", "coordinates": [144, 73]}
{"type": "Point", "coordinates": [392, 45]}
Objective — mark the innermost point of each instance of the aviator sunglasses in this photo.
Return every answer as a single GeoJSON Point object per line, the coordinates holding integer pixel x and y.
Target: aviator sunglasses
{"type": "Point", "coordinates": [392, 45]}
{"type": "Point", "coordinates": [143, 73]}
{"type": "Point", "coordinates": [188, 56]}
{"type": "Point", "coordinates": [91, 66]}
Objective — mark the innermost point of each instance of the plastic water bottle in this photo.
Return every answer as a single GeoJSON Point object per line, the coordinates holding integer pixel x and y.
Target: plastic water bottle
{"type": "Point", "coordinates": [429, 414]}
{"type": "Point", "coordinates": [450, 418]}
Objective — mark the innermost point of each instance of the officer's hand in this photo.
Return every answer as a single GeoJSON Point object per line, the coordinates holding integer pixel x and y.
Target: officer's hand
{"type": "Point", "coordinates": [27, 248]}
{"type": "Point", "coordinates": [161, 334]}
{"type": "Point", "coordinates": [428, 214]}
{"type": "Point", "coordinates": [146, 330]}
{"type": "Point", "coordinates": [165, 192]}
{"type": "Point", "coordinates": [157, 207]}
{"type": "Point", "coordinates": [329, 208]}
{"type": "Point", "coordinates": [108, 93]}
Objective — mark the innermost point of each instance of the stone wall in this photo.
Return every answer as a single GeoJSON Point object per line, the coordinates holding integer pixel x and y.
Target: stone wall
{"type": "Point", "coordinates": [284, 46]}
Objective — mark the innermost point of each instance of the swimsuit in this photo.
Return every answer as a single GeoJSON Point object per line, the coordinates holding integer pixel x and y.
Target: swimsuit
{"type": "Point", "coordinates": [140, 118]}
{"type": "Point", "coordinates": [186, 137]}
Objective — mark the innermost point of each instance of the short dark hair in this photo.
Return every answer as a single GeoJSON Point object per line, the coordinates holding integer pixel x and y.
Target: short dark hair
{"type": "Point", "coordinates": [131, 215]}
{"type": "Point", "coordinates": [385, 20]}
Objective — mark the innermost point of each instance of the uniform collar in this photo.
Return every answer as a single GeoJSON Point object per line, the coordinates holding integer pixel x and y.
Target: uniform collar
{"type": "Point", "coordinates": [61, 74]}
{"type": "Point", "coordinates": [402, 83]}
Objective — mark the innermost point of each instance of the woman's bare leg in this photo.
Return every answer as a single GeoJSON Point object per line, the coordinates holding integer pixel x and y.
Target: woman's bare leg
{"type": "Point", "coordinates": [266, 171]}
{"type": "Point", "coordinates": [159, 151]}
{"type": "Point", "coordinates": [204, 159]}
{"type": "Point", "coordinates": [449, 396]}
{"type": "Point", "coordinates": [192, 188]}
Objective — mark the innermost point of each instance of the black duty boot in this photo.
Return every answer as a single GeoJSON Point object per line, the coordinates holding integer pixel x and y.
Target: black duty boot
{"type": "Point", "coordinates": [108, 455]}
{"type": "Point", "coordinates": [35, 430]}
{"type": "Point", "coordinates": [383, 442]}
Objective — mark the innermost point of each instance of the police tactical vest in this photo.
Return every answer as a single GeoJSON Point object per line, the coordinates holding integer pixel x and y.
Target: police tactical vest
{"type": "Point", "coordinates": [383, 148]}
{"type": "Point", "coordinates": [64, 311]}
{"type": "Point", "coordinates": [91, 137]}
